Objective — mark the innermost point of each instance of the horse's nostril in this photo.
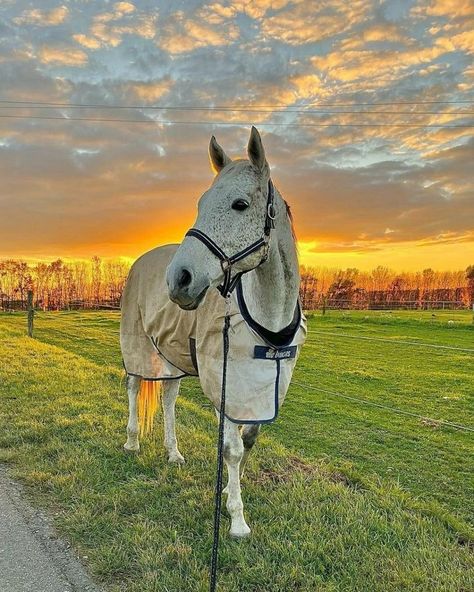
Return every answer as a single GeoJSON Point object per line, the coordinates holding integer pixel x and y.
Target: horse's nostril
{"type": "Point", "coordinates": [184, 278]}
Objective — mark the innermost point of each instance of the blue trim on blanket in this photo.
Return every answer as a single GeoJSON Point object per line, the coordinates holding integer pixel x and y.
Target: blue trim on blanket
{"type": "Point", "coordinates": [153, 379]}
{"type": "Point", "coordinates": [166, 359]}
{"type": "Point", "coordinates": [275, 340]}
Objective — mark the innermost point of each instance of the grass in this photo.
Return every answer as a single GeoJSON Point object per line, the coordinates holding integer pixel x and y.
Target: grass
{"type": "Point", "coordinates": [341, 496]}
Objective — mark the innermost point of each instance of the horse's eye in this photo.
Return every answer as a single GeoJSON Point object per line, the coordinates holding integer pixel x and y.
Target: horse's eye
{"type": "Point", "coordinates": [240, 205]}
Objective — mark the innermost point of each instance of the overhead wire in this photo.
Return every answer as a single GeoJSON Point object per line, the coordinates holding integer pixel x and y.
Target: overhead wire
{"type": "Point", "coordinates": [236, 123]}
{"type": "Point", "coordinates": [299, 109]}
{"type": "Point", "coordinates": [234, 107]}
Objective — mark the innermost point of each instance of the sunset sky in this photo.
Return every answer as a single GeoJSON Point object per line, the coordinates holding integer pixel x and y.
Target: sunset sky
{"type": "Point", "coordinates": [362, 195]}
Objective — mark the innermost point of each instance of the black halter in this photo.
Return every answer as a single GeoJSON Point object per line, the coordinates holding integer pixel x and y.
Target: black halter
{"type": "Point", "coordinates": [226, 262]}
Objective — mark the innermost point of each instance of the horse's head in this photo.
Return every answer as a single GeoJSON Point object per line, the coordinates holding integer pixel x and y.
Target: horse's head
{"type": "Point", "coordinates": [232, 213]}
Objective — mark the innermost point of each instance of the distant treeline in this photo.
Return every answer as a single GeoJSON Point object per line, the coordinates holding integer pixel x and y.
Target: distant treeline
{"type": "Point", "coordinates": [98, 284]}
{"type": "Point", "coordinates": [383, 288]}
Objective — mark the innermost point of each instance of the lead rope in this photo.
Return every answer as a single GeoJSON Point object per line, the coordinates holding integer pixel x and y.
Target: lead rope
{"type": "Point", "coordinates": [220, 450]}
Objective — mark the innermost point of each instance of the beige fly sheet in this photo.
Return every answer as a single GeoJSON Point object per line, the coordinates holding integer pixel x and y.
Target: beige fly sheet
{"type": "Point", "coordinates": [161, 341]}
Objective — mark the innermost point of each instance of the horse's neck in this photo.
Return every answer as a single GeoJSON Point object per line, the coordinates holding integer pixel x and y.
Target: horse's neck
{"type": "Point", "coordinates": [271, 290]}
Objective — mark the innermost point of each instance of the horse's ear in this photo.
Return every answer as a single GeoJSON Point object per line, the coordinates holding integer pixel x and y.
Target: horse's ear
{"type": "Point", "coordinates": [217, 156]}
{"type": "Point", "coordinates": [255, 150]}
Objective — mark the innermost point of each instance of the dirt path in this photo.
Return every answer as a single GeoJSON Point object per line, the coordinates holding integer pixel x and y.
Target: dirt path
{"type": "Point", "coordinates": [32, 557]}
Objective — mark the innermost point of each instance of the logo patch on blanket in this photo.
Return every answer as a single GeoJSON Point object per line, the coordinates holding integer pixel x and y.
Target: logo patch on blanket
{"type": "Point", "coordinates": [268, 353]}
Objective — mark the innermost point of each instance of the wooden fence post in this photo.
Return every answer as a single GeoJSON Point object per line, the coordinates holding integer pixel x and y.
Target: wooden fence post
{"type": "Point", "coordinates": [31, 313]}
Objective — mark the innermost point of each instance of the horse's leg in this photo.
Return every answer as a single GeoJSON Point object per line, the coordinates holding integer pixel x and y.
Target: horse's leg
{"type": "Point", "coordinates": [249, 436]}
{"type": "Point", "coordinates": [133, 387]}
{"type": "Point", "coordinates": [169, 396]}
{"type": "Point", "coordinates": [233, 452]}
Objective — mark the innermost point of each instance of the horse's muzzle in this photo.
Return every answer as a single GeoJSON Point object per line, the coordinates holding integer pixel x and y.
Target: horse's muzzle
{"type": "Point", "coordinates": [182, 289]}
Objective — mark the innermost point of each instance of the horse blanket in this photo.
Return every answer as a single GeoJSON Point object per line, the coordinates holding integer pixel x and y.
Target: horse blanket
{"type": "Point", "coordinates": [161, 341]}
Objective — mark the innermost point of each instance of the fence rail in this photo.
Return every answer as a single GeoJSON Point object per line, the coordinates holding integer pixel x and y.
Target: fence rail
{"type": "Point", "coordinates": [308, 304]}
{"type": "Point", "coordinates": [319, 304]}
{"type": "Point", "coordinates": [22, 305]}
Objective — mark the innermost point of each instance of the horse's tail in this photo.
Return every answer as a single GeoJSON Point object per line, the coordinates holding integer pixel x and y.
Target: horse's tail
{"type": "Point", "coordinates": [148, 399]}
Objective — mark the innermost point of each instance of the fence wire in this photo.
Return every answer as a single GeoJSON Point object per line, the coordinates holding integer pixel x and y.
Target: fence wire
{"type": "Point", "coordinates": [386, 407]}
{"type": "Point", "coordinates": [391, 341]}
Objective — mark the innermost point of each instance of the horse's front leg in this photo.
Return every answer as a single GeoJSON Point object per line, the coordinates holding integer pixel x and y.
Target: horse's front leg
{"type": "Point", "coordinates": [133, 387]}
{"type": "Point", "coordinates": [249, 436]}
{"type": "Point", "coordinates": [233, 453]}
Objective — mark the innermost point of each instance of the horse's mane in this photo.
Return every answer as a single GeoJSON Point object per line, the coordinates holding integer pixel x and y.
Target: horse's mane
{"type": "Point", "coordinates": [290, 218]}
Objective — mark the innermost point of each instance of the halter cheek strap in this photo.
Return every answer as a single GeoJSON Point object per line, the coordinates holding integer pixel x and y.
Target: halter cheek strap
{"type": "Point", "coordinates": [227, 262]}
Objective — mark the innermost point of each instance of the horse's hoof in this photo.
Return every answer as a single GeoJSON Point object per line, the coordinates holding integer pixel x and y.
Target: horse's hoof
{"type": "Point", "coordinates": [239, 536]}
{"type": "Point", "coordinates": [176, 458]}
{"type": "Point", "coordinates": [243, 533]}
{"type": "Point", "coordinates": [131, 450]}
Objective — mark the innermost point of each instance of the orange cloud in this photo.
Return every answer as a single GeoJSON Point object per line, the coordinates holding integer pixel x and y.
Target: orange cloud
{"type": "Point", "coordinates": [65, 56]}
{"type": "Point", "coordinates": [108, 28]}
{"type": "Point", "coordinates": [354, 65]}
{"type": "Point", "coordinates": [43, 18]}
{"type": "Point", "coordinates": [449, 8]}
{"type": "Point", "coordinates": [183, 34]}
{"type": "Point", "coordinates": [307, 23]}
{"type": "Point", "coordinates": [258, 8]}
{"type": "Point", "coordinates": [89, 42]}
{"type": "Point", "coordinates": [151, 91]}
{"type": "Point", "coordinates": [124, 7]}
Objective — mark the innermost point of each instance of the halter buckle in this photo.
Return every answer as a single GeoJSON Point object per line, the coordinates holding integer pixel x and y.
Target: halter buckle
{"type": "Point", "coordinates": [271, 213]}
{"type": "Point", "coordinates": [226, 264]}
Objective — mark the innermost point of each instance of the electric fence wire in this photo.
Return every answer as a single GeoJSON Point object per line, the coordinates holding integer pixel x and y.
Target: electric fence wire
{"type": "Point", "coordinates": [391, 341]}
{"type": "Point", "coordinates": [385, 407]}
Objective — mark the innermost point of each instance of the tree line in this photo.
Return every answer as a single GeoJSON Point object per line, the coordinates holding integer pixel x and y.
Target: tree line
{"type": "Point", "coordinates": [98, 283]}
{"type": "Point", "coordinates": [385, 288]}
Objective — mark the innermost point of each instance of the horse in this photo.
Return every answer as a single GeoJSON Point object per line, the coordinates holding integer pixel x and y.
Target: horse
{"type": "Point", "coordinates": [172, 314]}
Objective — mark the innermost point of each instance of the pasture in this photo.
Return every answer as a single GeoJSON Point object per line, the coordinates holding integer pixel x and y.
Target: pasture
{"type": "Point", "coordinates": [341, 495]}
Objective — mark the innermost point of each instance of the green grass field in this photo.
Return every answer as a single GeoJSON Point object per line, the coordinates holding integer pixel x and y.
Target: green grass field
{"type": "Point", "coordinates": [340, 495]}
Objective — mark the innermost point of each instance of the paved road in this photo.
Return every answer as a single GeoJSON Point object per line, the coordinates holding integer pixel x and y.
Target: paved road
{"type": "Point", "coordinates": [32, 557]}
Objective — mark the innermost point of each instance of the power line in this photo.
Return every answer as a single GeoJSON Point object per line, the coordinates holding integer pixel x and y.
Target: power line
{"type": "Point", "coordinates": [420, 344]}
{"type": "Point", "coordinates": [386, 407]}
{"type": "Point", "coordinates": [47, 105]}
{"type": "Point", "coordinates": [396, 103]}
{"type": "Point", "coordinates": [234, 108]}
{"type": "Point", "coordinates": [235, 123]}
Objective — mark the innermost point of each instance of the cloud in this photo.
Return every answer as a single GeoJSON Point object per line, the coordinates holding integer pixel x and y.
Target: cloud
{"type": "Point", "coordinates": [107, 29]}
{"type": "Point", "coordinates": [447, 8]}
{"type": "Point", "coordinates": [350, 65]}
{"type": "Point", "coordinates": [89, 42]}
{"type": "Point", "coordinates": [255, 9]}
{"type": "Point", "coordinates": [182, 34]}
{"type": "Point", "coordinates": [124, 7]}
{"type": "Point", "coordinates": [308, 22]}
{"type": "Point", "coordinates": [107, 34]}
{"type": "Point", "coordinates": [64, 56]}
{"type": "Point", "coordinates": [153, 90]}
{"type": "Point", "coordinates": [43, 18]}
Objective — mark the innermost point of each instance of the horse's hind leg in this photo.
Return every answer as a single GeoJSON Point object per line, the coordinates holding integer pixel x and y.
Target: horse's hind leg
{"type": "Point", "coordinates": [233, 453]}
{"type": "Point", "coordinates": [169, 396]}
{"type": "Point", "coordinates": [133, 387]}
{"type": "Point", "coordinates": [249, 436]}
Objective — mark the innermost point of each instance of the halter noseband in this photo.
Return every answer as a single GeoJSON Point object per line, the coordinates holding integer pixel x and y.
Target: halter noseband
{"type": "Point", "coordinates": [226, 262]}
